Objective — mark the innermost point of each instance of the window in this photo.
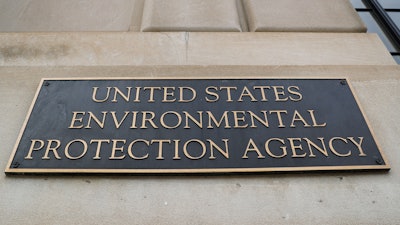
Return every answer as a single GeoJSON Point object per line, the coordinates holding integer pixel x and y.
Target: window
{"type": "Point", "coordinates": [382, 17]}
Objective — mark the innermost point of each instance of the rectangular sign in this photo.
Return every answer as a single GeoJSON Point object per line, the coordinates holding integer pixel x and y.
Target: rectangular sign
{"type": "Point", "coordinates": [194, 126]}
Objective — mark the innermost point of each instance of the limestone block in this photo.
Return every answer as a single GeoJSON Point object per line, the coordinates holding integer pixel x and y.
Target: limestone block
{"type": "Point", "coordinates": [191, 48]}
{"type": "Point", "coordinates": [190, 15]}
{"type": "Point", "coordinates": [137, 15]}
{"type": "Point", "coordinates": [331, 198]}
{"type": "Point", "coordinates": [91, 48]}
{"type": "Point", "coordinates": [71, 15]}
{"type": "Point", "coordinates": [286, 48]}
{"type": "Point", "coordinates": [303, 16]}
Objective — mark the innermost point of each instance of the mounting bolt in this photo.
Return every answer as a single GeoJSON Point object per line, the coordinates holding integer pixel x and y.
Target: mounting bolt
{"type": "Point", "coordinates": [46, 84]}
{"type": "Point", "coordinates": [343, 82]}
{"type": "Point", "coordinates": [16, 164]}
{"type": "Point", "coordinates": [379, 161]}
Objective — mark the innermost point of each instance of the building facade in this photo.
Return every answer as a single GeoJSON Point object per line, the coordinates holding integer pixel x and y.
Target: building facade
{"type": "Point", "coordinates": [211, 39]}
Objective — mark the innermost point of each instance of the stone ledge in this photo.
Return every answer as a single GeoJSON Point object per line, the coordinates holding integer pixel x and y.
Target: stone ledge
{"type": "Point", "coordinates": [191, 48]}
{"type": "Point", "coordinates": [353, 73]}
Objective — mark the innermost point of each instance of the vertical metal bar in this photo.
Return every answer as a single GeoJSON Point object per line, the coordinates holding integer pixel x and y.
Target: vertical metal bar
{"type": "Point", "coordinates": [388, 25]}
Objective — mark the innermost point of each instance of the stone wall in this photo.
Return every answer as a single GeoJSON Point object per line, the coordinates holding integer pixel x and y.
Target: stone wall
{"type": "Point", "coordinates": [180, 15]}
{"type": "Point", "coordinates": [312, 39]}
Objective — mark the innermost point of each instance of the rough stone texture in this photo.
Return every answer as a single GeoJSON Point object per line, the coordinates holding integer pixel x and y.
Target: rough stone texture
{"type": "Point", "coordinates": [190, 15]}
{"type": "Point", "coordinates": [191, 48]}
{"type": "Point", "coordinates": [71, 15]}
{"type": "Point", "coordinates": [303, 16]}
{"type": "Point", "coordinates": [309, 198]}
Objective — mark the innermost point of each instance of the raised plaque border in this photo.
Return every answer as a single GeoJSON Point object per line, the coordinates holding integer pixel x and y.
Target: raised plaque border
{"type": "Point", "coordinates": [382, 166]}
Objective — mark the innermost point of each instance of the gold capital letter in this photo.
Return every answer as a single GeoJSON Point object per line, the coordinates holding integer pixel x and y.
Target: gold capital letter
{"type": "Point", "coordinates": [294, 147]}
{"type": "Point", "coordinates": [203, 147]}
{"type": "Point", "coordinates": [251, 146]}
{"type": "Point", "coordinates": [85, 148]}
{"type": "Point", "coordinates": [115, 148]}
{"type": "Point", "coordinates": [75, 119]}
{"type": "Point", "coordinates": [53, 149]}
{"type": "Point", "coordinates": [181, 95]}
{"type": "Point", "coordinates": [314, 120]}
{"type": "Point", "coordinates": [99, 142]}
{"type": "Point", "coordinates": [94, 94]}
{"type": "Point", "coordinates": [213, 145]}
{"type": "Point", "coordinates": [160, 147]}
{"type": "Point", "coordinates": [130, 149]}
{"type": "Point", "coordinates": [32, 148]}
{"type": "Point", "coordinates": [334, 150]}
{"type": "Point", "coordinates": [358, 144]}
{"type": "Point", "coordinates": [284, 152]}
{"type": "Point", "coordinates": [278, 113]}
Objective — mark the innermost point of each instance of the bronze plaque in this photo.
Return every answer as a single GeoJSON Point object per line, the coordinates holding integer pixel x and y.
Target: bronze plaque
{"type": "Point", "coordinates": [143, 126]}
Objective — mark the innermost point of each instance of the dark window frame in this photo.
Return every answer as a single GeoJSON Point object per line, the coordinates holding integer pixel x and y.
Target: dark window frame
{"type": "Point", "coordinates": [383, 19]}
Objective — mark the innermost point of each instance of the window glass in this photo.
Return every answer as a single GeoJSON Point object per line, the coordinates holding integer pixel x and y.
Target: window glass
{"type": "Point", "coordinates": [373, 27]}
{"type": "Point", "coordinates": [395, 16]}
{"type": "Point", "coordinates": [390, 4]}
{"type": "Point", "coordinates": [358, 4]}
{"type": "Point", "coordinates": [397, 58]}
